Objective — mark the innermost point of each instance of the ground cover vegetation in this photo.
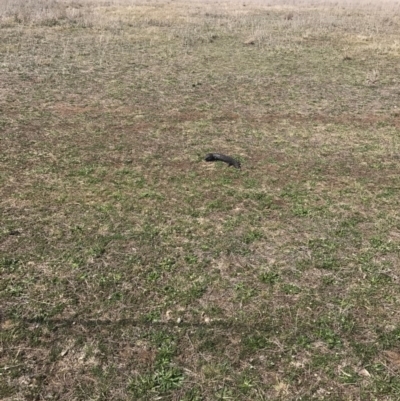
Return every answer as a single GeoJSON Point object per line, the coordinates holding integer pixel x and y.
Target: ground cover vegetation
{"type": "Point", "coordinates": [133, 270]}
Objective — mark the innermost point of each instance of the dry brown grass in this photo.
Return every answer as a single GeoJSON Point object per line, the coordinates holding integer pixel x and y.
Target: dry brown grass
{"type": "Point", "coordinates": [131, 269]}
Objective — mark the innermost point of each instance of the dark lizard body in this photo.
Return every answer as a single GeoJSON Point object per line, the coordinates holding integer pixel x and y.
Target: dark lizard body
{"type": "Point", "coordinates": [211, 157]}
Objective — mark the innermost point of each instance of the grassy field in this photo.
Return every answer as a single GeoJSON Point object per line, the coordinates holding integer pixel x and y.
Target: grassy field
{"type": "Point", "coordinates": [131, 269]}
